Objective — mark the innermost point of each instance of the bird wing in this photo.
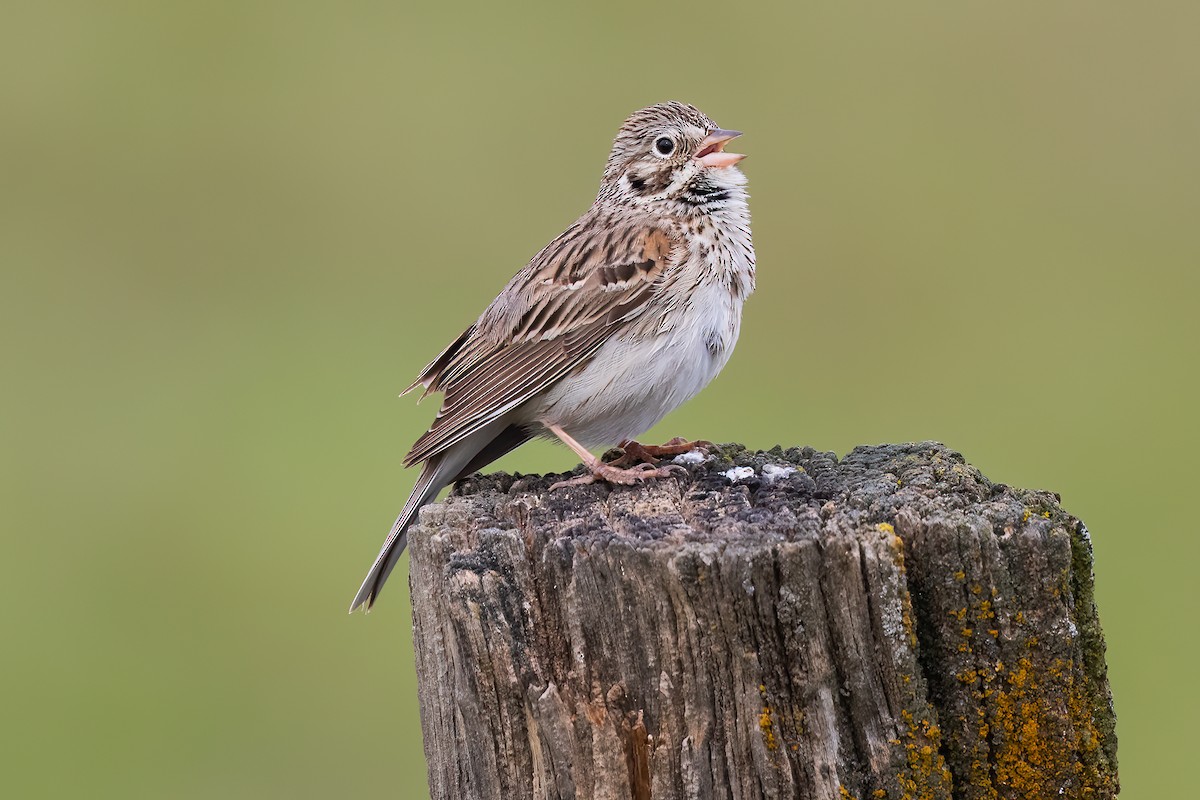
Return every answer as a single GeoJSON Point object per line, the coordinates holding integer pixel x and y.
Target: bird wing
{"type": "Point", "coordinates": [549, 321]}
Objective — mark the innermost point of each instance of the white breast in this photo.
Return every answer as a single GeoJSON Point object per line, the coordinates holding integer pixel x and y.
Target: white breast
{"type": "Point", "coordinates": [634, 381]}
{"type": "Point", "coordinates": [631, 384]}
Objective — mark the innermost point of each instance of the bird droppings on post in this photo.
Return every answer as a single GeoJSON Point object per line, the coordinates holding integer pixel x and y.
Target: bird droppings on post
{"type": "Point", "coordinates": [739, 473]}
{"type": "Point", "coordinates": [775, 472]}
{"type": "Point", "coordinates": [692, 457]}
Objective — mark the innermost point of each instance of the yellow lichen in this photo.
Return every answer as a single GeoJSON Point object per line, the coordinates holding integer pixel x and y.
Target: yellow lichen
{"type": "Point", "coordinates": [925, 775]}
{"type": "Point", "coordinates": [907, 620]}
{"type": "Point", "coordinates": [885, 527]}
{"type": "Point", "coordinates": [1037, 720]}
{"type": "Point", "coordinates": [767, 728]}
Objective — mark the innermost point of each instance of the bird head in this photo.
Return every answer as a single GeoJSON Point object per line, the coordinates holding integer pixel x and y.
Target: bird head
{"type": "Point", "coordinates": [670, 151]}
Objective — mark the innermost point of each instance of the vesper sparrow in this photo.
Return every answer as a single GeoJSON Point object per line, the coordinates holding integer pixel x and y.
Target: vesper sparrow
{"type": "Point", "coordinates": [618, 321]}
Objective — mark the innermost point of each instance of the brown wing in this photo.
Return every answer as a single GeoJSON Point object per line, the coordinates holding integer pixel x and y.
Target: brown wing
{"type": "Point", "coordinates": [550, 319]}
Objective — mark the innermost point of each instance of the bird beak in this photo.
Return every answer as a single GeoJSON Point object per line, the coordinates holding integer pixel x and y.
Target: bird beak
{"type": "Point", "coordinates": [711, 152]}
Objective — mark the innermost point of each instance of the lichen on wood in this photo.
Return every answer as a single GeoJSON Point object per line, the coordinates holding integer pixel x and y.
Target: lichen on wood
{"type": "Point", "coordinates": [888, 625]}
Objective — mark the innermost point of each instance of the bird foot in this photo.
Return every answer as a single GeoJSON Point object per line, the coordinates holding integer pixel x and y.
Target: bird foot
{"type": "Point", "coordinates": [625, 477]}
{"type": "Point", "coordinates": [636, 453]}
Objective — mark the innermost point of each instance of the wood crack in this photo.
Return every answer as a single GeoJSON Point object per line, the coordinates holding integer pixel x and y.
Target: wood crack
{"type": "Point", "coordinates": [776, 644]}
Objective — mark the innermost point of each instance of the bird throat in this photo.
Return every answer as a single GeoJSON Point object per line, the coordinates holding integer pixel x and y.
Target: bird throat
{"type": "Point", "coordinates": [712, 191]}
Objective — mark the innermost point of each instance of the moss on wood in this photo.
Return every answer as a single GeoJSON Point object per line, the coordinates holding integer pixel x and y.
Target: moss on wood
{"type": "Point", "coordinates": [886, 625]}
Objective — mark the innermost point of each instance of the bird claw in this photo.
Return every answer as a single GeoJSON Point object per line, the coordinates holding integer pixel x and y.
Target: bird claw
{"type": "Point", "coordinates": [635, 452]}
{"type": "Point", "coordinates": [623, 477]}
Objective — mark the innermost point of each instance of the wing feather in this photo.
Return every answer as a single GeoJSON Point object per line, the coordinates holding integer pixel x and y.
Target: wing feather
{"type": "Point", "coordinates": [433, 370]}
{"type": "Point", "coordinates": [549, 321]}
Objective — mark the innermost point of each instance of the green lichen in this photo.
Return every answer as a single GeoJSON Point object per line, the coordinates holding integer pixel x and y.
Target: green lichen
{"type": "Point", "coordinates": [1096, 700]}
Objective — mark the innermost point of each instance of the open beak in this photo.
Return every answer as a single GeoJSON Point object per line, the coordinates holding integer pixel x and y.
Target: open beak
{"type": "Point", "coordinates": [712, 149]}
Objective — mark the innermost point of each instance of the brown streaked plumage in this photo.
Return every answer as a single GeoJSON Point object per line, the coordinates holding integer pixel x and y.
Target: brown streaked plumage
{"type": "Point", "coordinates": [627, 314]}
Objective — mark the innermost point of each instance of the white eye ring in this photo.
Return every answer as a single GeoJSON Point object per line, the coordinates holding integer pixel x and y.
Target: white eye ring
{"type": "Point", "coordinates": [664, 142]}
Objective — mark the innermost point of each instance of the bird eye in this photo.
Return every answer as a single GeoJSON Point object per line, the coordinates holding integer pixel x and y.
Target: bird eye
{"type": "Point", "coordinates": [664, 145]}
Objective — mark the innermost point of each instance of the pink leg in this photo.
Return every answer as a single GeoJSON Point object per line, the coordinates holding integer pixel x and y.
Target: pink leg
{"type": "Point", "coordinates": [636, 452]}
{"type": "Point", "coordinates": [598, 470]}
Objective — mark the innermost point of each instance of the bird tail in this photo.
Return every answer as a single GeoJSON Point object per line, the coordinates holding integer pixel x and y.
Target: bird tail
{"type": "Point", "coordinates": [427, 487]}
{"type": "Point", "coordinates": [472, 453]}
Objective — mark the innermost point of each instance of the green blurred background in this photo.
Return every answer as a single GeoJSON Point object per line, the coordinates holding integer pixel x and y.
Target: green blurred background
{"type": "Point", "coordinates": [232, 232]}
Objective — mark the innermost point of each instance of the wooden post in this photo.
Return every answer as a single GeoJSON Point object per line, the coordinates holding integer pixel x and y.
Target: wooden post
{"type": "Point", "coordinates": [779, 624]}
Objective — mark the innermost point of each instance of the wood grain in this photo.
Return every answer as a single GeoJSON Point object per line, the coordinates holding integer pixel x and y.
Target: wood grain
{"type": "Point", "coordinates": [773, 625]}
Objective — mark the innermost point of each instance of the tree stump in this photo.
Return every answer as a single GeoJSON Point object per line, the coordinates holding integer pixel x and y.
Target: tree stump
{"type": "Point", "coordinates": [776, 624]}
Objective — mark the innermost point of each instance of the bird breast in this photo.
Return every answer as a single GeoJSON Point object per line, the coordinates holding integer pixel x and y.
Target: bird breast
{"type": "Point", "coordinates": [639, 376]}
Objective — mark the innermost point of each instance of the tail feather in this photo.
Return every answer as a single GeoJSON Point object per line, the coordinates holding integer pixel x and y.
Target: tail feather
{"type": "Point", "coordinates": [393, 547]}
{"type": "Point", "coordinates": [509, 439]}
{"type": "Point", "coordinates": [475, 451]}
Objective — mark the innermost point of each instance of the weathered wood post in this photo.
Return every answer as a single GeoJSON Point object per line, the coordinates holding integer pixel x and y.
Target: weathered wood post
{"type": "Point", "coordinates": [779, 624]}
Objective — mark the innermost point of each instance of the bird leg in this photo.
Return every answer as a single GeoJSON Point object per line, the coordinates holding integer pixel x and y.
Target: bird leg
{"type": "Point", "coordinates": [636, 453]}
{"type": "Point", "coordinates": [598, 470]}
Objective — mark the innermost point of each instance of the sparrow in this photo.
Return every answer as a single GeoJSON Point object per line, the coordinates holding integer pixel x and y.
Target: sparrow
{"type": "Point", "coordinates": [625, 316]}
